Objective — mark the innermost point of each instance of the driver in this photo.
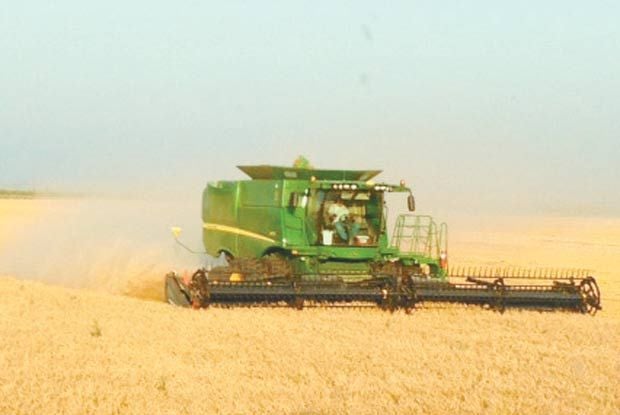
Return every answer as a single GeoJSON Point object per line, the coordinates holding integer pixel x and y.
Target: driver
{"type": "Point", "coordinates": [339, 215]}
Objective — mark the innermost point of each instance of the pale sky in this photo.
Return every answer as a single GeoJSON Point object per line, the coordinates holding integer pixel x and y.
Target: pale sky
{"type": "Point", "coordinates": [479, 105]}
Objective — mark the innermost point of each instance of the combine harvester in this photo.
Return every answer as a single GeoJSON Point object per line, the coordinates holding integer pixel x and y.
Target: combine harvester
{"type": "Point", "coordinates": [306, 237]}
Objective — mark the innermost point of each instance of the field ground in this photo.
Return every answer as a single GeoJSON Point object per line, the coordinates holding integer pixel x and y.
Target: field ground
{"type": "Point", "coordinates": [90, 350]}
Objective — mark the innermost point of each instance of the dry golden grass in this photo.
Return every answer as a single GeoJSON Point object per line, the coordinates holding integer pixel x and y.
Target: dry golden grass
{"type": "Point", "coordinates": [82, 351]}
{"type": "Point", "coordinates": [15, 213]}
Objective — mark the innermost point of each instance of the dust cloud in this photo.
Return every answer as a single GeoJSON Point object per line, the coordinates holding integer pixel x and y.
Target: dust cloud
{"type": "Point", "coordinates": [121, 246]}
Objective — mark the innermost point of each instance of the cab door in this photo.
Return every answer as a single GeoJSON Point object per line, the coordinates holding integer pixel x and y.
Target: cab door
{"type": "Point", "coordinates": [295, 205]}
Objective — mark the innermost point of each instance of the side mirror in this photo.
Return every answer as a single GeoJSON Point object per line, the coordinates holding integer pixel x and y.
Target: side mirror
{"type": "Point", "coordinates": [411, 203]}
{"type": "Point", "coordinates": [294, 201]}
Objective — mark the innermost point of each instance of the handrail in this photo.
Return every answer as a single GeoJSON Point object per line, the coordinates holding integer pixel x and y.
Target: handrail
{"type": "Point", "coordinates": [419, 234]}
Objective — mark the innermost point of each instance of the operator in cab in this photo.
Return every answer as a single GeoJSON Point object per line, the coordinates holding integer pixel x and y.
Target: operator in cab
{"type": "Point", "coordinates": [339, 214]}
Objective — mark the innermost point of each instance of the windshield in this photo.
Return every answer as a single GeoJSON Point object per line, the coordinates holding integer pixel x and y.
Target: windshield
{"type": "Point", "coordinates": [346, 217]}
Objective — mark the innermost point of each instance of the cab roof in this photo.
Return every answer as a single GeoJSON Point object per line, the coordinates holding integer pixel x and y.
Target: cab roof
{"type": "Point", "coordinates": [266, 172]}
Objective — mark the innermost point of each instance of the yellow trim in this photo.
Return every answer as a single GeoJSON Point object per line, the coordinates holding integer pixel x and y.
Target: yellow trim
{"type": "Point", "coordinates": [237, 231]}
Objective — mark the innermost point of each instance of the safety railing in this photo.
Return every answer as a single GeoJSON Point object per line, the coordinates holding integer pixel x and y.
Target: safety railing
{"type": "Point", "coordinates": [420, 235]}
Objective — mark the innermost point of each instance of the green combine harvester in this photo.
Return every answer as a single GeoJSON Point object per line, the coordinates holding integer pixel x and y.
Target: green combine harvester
{"type": "Point", "coordinates": [308, 237]}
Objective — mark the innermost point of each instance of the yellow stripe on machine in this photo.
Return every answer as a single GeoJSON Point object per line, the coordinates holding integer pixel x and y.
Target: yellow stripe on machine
{"type": "Point", "coordinates": [236, 231]}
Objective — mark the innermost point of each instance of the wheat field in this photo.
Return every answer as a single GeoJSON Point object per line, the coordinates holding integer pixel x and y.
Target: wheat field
{"type": "Point", "coordinates": [116, 348]}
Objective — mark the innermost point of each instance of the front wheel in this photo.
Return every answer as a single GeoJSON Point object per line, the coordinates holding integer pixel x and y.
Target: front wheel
{"type": "Point", "coordinates": [277, 264]}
